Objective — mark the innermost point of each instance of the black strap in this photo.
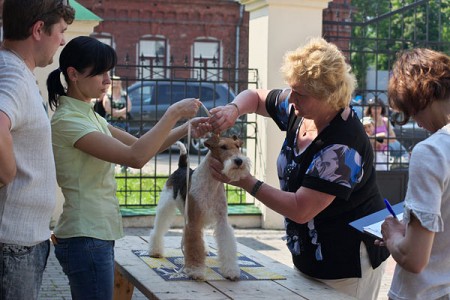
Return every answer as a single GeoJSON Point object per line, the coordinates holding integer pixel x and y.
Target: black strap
{"type": "Point", "coordinates": [291, 132]}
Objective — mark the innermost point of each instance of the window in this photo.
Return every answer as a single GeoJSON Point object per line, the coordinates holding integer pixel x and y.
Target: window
{"type": "Point", "coordinates": [144, 93]}
{"type": "Point", "coordinates": [105, 38]}
{"type": "Point", "coordinates": [152, 53]}
{"type": "Point", "coordinates": [207, 57]}
{"type": "Point", "coordinates": [171, 93]}
{"type": "Point", "coordinates": [168, 94]}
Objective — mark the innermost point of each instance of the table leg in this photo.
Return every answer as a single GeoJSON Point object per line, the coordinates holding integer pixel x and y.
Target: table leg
{"type": "Point", "coordinates": [123, 289]}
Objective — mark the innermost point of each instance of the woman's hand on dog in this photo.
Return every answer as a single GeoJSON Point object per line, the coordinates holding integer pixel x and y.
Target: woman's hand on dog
{"type": "Point", "coordinates": [216, 171]}
{"type": "Point", "coordinates": [223, 117]}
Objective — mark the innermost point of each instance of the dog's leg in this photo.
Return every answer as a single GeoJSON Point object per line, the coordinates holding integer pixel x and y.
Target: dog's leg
{"type": "Point", "coordinates": [205, 243]}
{"type": "Point", "coordinates": [165, 213]}
{"type": "Point", "coordinates": [227, 250]}
{"type": "Point", "coordinates": [194, 246]}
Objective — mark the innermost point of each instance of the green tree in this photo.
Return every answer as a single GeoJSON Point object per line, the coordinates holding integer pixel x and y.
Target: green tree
{"type": "Point", "coordinates": [380, 29]}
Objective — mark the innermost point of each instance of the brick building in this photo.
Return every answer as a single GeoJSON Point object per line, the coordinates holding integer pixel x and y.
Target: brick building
{"type": "Point", "coordinates": [199, 33]}
{"type": "Point", "coordinates": [206, 33]}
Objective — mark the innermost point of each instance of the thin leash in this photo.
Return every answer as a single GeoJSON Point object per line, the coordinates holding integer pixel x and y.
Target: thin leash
{"type": "Point", "coordinates": [186, 203]}
{"type": "Point", "coordinates": [186, 221]}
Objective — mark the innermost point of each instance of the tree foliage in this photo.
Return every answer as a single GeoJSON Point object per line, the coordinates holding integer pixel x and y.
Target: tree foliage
{"type": "Point", "coordinates": [380, 29]}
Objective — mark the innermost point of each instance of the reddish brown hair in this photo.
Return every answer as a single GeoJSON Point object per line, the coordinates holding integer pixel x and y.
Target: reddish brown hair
{"type": "Point", "coordinates": [419, 77]}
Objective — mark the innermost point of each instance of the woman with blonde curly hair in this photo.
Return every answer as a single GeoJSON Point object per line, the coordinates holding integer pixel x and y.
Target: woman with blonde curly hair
{"type": "Point", "coordinates": [420, 87]}
{"type": "Point", "coordinates": [325, 168]}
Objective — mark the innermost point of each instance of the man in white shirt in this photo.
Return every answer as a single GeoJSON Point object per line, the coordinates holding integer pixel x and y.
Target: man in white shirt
{"type": "Point", "coordinates": [33, 31]}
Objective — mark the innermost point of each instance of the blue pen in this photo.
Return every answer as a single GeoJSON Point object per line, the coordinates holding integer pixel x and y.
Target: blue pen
{"type": "Point", "coordinates": [389, 208]}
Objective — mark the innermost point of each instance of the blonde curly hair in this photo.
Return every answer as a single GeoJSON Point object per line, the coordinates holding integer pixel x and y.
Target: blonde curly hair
{"type": "Point", "coordinates": [321, 69]}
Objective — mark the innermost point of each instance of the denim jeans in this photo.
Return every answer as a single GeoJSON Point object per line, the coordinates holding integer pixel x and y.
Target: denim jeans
{"type": "Point", "coordinates": [21, 269]}
{"type": "Point", "coordinates": [89, 265]}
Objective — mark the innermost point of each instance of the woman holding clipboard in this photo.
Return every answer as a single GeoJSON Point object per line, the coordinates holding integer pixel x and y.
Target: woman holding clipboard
{"type": "Point", "coordinates": [420, 87]}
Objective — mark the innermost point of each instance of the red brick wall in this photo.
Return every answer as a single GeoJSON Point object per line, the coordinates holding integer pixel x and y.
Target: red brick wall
{"type": "Point", "coordinates": [338, 10]}
{"type": "Point", "coordinates": [180, 21]}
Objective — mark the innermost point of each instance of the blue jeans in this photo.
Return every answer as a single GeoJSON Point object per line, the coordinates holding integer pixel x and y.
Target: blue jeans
{"type": "Point", "coordinates": [21, 270]}
{"type": "Point", "coordinates": [89, 265]}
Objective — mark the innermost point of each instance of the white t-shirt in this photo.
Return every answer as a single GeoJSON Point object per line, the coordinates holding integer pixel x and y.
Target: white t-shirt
{"type": "Point", "coordinates": [27, 203]}
{"type": "Point", "coordinates": [428, 197]}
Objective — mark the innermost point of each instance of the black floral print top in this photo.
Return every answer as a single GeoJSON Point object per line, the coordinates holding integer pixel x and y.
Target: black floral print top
{"type": "Point", "coordinates": [338, 162]}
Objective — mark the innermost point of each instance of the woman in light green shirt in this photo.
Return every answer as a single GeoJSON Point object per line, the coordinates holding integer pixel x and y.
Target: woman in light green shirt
{"type": "Point", "coordinates": [86, 148]}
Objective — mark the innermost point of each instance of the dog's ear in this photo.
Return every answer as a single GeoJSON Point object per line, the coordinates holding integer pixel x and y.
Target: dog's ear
{"type": "Point", "coordinates": [235, 138]}
{"type": "Point", "coordinates": [212, 141]}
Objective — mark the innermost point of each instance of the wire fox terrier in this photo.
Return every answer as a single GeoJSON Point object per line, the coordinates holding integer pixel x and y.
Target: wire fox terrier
{"type": "Point", "coordinates": [207, 206]}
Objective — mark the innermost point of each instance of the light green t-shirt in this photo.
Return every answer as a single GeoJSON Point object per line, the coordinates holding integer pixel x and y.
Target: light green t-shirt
{"type": "Point", "coordinates": [91, 208]}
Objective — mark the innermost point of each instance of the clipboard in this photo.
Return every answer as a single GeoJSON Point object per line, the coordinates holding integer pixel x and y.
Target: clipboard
{"type": "Point", "coordinates": [373, 219]}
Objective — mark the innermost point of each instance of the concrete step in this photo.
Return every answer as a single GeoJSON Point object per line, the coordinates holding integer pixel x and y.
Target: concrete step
{"type": "Point", "coordinates": [239, 216]}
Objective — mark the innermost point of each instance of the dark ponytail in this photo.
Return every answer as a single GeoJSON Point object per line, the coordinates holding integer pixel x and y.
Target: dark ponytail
{"type": "Point", "coordinates": [55, 88]}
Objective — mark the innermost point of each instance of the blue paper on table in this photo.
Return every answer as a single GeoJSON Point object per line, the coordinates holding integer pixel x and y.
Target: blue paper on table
{"type": "Point", "coordinates": [376, 217]}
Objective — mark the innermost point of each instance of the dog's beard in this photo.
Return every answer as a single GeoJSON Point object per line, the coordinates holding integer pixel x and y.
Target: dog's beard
{"type": "Point", "coordinates": [236, 172]}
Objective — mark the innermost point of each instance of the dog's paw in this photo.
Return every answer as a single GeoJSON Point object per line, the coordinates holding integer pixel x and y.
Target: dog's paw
{"type": "Point", "coordinates": [233, 278]}
{"type": "Point", "coordinates": [156, 255]}
{"type": "Point", "coordinates": [155, 252]}
{"type": "Point", "coordinates": [231, 273]}
{"type": "Point", "coordinates": [196, 273]}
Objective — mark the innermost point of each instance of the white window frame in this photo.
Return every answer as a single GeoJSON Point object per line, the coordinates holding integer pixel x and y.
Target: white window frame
{"type": "Point", "coordinates": [152, 52]}
{"type": "Point", "coordinates": [207, 58]}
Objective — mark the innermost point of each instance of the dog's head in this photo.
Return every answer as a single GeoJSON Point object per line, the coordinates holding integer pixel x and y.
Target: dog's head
{"type": "Point", "coordinates": [228, 151]}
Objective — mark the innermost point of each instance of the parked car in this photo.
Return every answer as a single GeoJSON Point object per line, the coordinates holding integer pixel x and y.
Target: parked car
{"type": "Point", "coordinates": [150, 100]}
{"type": "Point", "coordinates": [410, 134]}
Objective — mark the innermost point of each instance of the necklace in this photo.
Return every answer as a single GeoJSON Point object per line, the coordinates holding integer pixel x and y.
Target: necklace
{"type": "Point", "coordinates": [18, 56]}
{"type": "Point", "coordinates": [311, 128]}
{"type": "Point", "coordinates": [13, 52]}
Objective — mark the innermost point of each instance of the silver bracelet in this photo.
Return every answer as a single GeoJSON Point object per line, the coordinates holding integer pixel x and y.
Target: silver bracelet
{"type": "Point", "coordinates": [235, 105]}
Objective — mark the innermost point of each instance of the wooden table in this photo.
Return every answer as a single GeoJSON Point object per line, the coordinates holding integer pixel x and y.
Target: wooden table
{"type": "Point", "coordinates": [132, 272]}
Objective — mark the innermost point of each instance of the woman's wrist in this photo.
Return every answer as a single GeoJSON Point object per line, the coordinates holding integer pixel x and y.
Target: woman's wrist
{"type": "Point", "coordinates": [251, 184]}
{"type": "Point", "coordinates": [256, 187]}
{"type": "Point", "coordinates": [236, 107]}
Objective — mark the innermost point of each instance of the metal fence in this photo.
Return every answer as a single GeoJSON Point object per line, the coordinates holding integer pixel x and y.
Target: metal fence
{"type": "Point", "coordinates": [371, 33]}
{"type": "Point", "coordinates": [150, 95]}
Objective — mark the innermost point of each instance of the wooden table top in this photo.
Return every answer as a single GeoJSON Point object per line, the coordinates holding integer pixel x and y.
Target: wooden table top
{"type": "Point", "coordinates": [295, 286]}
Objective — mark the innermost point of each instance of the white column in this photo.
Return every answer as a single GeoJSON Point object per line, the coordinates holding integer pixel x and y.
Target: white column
{"type": "Point", "coordinates": [276, 26]}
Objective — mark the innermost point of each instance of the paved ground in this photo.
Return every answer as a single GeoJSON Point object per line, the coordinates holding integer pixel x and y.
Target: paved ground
{"type": "Point", "coordinates": [268, 242]}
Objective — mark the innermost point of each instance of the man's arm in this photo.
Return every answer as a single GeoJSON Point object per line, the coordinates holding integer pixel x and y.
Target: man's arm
{"type": "Point", "coordinates": [7, 160]}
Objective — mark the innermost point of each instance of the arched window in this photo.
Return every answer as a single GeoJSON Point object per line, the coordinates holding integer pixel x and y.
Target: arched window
{"type": "Point", "coordinates": [104, 37]}
{"type": "Point", "coordinates": [152, 54]}
{"type": "Point", "coordinates": [207, 57]}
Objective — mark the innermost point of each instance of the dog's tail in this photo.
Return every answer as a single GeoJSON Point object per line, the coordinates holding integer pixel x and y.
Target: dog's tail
{"type": "Point", "coordinates": [182, 160]}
